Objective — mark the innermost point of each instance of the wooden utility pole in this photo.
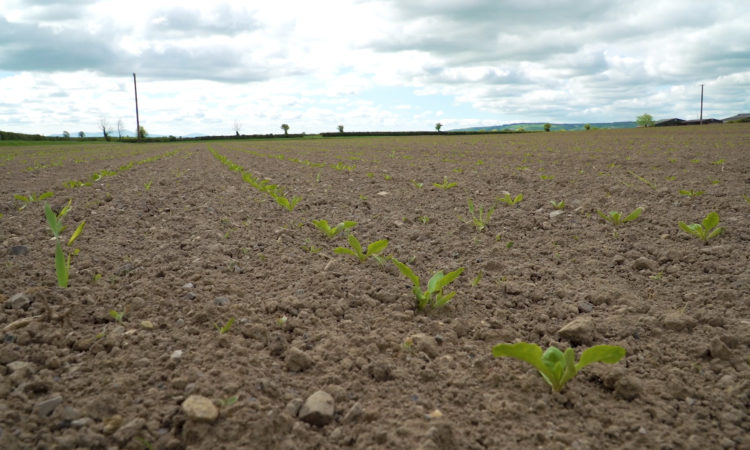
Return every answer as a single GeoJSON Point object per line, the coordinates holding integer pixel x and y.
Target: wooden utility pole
{"type": "Point", "coordinates": [137, 119]}
{"type": "Point", "coordinates": [701, 104]}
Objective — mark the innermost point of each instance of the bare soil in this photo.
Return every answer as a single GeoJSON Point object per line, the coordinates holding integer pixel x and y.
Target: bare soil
{"type": "Point", "coordinates": [180, 245]}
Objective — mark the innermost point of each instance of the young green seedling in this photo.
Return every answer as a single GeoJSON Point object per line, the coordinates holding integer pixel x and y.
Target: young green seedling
{"type": "Point", "coordinates": [433, 295]}
{"type": "Point", "coordinates": [510, 201]}
{"type": "Point", "coordinates": [62, 265]}
{"type": "Point", "coordinates": [31, 198]}
{"type": "Point", "coordinates": [417, 184]}
{"type": "Point", "coordinates": [445, 184]}
{"type": "Point", "coordinates": [704, 229]}
{"type": "Point", "coordinates": [690, 193]}
{"type": "Point", "coordinates": [118, 316]}
{"type": "Point", "coordinates": [375, 248]}
{"type": "Point", "coordinates": [615, 217]}
{"type": "Point", "coordinates": [323, 226]}
{"type": "Point", "coordinates": [285, 202]}
{"type": "Point", "coordinates": [225, 328]}
{"type": "Point", "coordinates": [556, 367]}
{"type": "Point", "coordinates": [558, 205]}
{"type": "Point", "coordinates": [480, 218]}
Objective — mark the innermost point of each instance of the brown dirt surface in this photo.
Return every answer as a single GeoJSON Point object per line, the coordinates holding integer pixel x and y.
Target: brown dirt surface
{"type": "Point", "coordinates": [179, 244]}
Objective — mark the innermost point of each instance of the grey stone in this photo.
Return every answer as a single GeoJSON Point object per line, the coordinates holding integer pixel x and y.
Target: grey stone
{"type": "Point", "coordinates": [19, 250]}
{"type": "Point", "coordinates": [222, 301]}
{"type": "Point", "coordinates": [46, 407]}
{"type": "Point", "coordinates": [643, 263]}
{"type": "Point", "coordinates": [128, 431]}
{"type": "Point", "coordinates": [200, 408]}
{"type": "Point", "coordinates": [720, 350]}
{"type": "Point", "coordinates": [293, 406]}
{"type": "Point", "coordinates": [678, 321]}
{"type": "Point", "coordinates": [354, 413]}
{"type": "Point", "coordinates": [296, 360]}
{"type": "Point", "coordinates": [580, 330]}
{"type": "Point", "coordinates": [18, 301]}
{"type": "Point", "coordinates": [318, 409]}
{"type": "Point", "coordinates": [424, 343]}
{"type": "Point", "coordinates": [585, 307]}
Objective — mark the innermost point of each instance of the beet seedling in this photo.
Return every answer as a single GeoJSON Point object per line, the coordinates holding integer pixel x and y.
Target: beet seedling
{"type": "Point", "coordinates": [615, 217]}
{"type": "Point", "coordinates": [62, 265]}
{"type": "Point", "coordinates": [510, 201]}
{"type": "Point", "coordinates": [480, 218]}
{"type": "Point", "coordinates": [433, 295]}
{"type": "Point", "coordinates": [31, 198]}
{"type": "Point", "coordinates": [690, 193]}
{"type": "Point", "coordinates": [556, 367]}
{"type": "Point", "coordinates": [225, 328]}
{"type": "Point", "coordinates": [445, 184]}
{"type": "Point", "coordinates": [323, 226]}
{"type": "Point", "coordinates": [558, 205]}
{"type": "Point", "coordinates": [704, 229]}
{"type": "Point", "coordinates": [375, 248]}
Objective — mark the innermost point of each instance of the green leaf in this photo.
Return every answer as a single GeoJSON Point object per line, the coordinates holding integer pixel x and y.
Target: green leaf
{"type": "Point", "coordinates": [633, 215]}
{"type": "Point", "coordinates": [442, 300]}
{"type": "Point", "coordinates": [408, 273]}
{"type": "Point", "coordinates": [377, 247]}
{"type": "Point", "coordinates": [354, 243]}
{"type": "Point", "coordinates": [23, 198]}
{"type": "Point", "coordinates": [76, 233]}
{"type": "Point", "coordinates": [711, 220]}
{"type": "Point", "coordinates": [61, 268]}
{"type": "Point", "coordinates": [66, 209]}
{"type": "Point", "coordinates": [54, 224]}
{"type": "Point", "coordinates": [530, 353]}
{"type": "Point", "coordinates": [432, 285]}
{"type": "Point", "coordinates": [715, 233]}
{"type": "Point", "coordinates": [518, 198]}
{"type": "Point", "coordinates": [45, 195]}
{"type": "Point", "coordinates": [344, 251]}
{"type": "Point", "coordinates": [609, 354]}
{"type": "Point", "coordinates": [448, 278]}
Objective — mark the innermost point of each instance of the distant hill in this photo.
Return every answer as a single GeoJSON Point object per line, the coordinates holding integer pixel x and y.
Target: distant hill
{"type": "Point", "coordinates": [534, 126]}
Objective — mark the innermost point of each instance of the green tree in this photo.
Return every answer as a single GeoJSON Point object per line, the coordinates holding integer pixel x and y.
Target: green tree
{"type": "Point", "coordinates": [66, 134]}
{"type": "Point", "coordinates": [142, 133]}
{"type": "Point", "coordinates": [645, 120]}
{"type": "Point", "coordinates": [438, 126]}
{"type": "Point", "coordinates": [81, 134]}
{"type": "Point", "coordinates": [547, 126]}
{"type": "Point", "coordinates": [587, 126]}
{"type": "Point", "coordinates": [341, 128]}
{"type": "Point", "coordinates": [285, 127]}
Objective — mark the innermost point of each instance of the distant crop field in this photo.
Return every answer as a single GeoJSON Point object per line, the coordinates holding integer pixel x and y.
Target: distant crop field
{"type": "Point", "coordinates": [278, 293]}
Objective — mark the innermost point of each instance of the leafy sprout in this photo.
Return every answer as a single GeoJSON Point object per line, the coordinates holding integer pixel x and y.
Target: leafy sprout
{"type": "Point", "coordinates": [433, 295]}
{"type": "Point", "coordinates": [558, 205]}
{"type": "Point", "coordinates": [479, 217]}
{"type": "Point", "coordinates": [555, 366]}
{"type": "Point", "coordinates": [615, 217]}
{"type": "Point", "coordinates": [225, 328]}
{"type": "Point", "coordinates": [356, 250]}
{"type": "Point", "coordinates": [510, 201]}
{"type": "Point", "coordinates": [690, 193]}
{"type": "Point", "coordinates": [62, 265]}
{"type": "Point", "coordinates": [445, 184]}
{"type": "Point", "coordinates": [329, 231]}
{"type": "Point", "coordinates": [705, 230]}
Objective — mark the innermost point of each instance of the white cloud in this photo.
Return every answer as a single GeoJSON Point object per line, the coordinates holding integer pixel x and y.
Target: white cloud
{"type": "Point", "coordinates": [378, 64]}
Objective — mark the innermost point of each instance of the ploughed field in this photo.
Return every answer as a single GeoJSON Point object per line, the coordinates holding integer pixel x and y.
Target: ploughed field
{"type": "Point", "coordinates": [205, 310]}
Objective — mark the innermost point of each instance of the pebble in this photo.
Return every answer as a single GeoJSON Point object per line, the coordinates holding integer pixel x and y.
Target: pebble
{"type": "Point", "coordinates": [643, 263]}
{"type": "Point", "coordinates": [585, 307]}
{"type": "Point", "coordinates": [296, 360]}
{"type": "Point", "coordinates": [678, 321]}
{"type": "Point", "coordinates": [46, 407]}
{"type": "Point", "coordinates": [111, 424]}
{"type": "Point", "coordinates": [187, 286]}
{"type": "Point", "coordinates": [176, 355]}
{"type": "Point", "coordinates": [222, 301]}
{"type": "Point", "coordinates": [424, 343]}
{"type": "Point", "coordinates": [18, 301]}
{"type": "Point", "coordinates": [129, 430]}
{"type": "Point", "coordinates": [200, 408]}
{"type": "Point", "coordinates": [147, 324]}
{"type": "Point", "coordinates": [82, 422]}
{"type": "Point", "coordinates": [580, 330]}
{"type": "Point", "coordinates": [318, 409]}
{"type": "Point", "coordinates": [19, 250]}
{"type": "Point", "coordinates": [720, 350]}
{"type": "Point", "coordinates": [292, 408]}
{"type": "Point", "coordinates": [555, 213]}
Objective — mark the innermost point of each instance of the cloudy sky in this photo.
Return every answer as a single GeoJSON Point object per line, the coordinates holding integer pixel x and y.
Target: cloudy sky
{"type": "Point", "coordinates": [366, 64]}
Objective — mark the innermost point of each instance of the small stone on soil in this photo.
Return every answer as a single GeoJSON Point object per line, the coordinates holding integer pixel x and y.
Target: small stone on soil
{"type": "Point", "coordinates": [18, 301]}
{"type": "Point", "coordinates": [200, 408]}
{"type": "Point", "coordinates": [19, 250]}
{"type": "Point", "coordinates": [318, 409]}
{"type": "Point", "coordinates": [222, 301]}
{"type": "Point", "coordinates": [46, 407]}
{"type": "Point", "coordinates": [580, 330]}
{"type": "Point", "coordinates": [297, 360]}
